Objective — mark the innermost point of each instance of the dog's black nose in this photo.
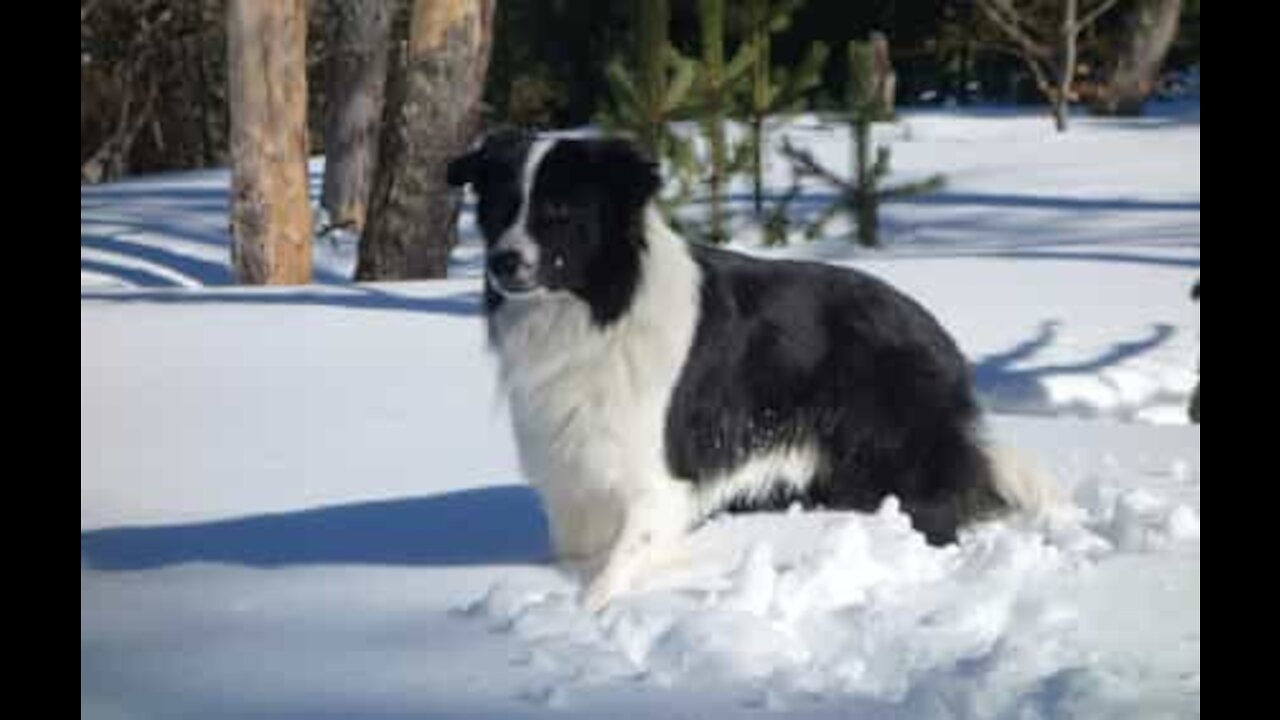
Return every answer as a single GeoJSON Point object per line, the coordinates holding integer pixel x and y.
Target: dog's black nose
{"type": "Point", "coordinates": [504, 264]}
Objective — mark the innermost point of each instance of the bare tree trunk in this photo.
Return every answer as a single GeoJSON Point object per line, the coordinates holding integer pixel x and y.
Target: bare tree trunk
{"type": "Point", "coordinates": [431, 115]}
{"type": "Point", "coordinates": [1149, 30]}
{"type": "Point", "coordinates": [357, 76]}
{"type": "Point", "coordinates": [267, 94]}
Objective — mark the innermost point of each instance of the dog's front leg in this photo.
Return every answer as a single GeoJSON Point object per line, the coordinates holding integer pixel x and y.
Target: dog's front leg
{"type": "Point", "coordinates": [652, 523]}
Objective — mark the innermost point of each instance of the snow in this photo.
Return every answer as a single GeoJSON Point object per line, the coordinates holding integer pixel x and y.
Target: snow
{"type": "Point", "coordinates": [304, 502]}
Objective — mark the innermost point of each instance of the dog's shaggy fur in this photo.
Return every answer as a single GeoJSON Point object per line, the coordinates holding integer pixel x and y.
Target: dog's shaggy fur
{"type": "Point", "coordinates": [654, 382]}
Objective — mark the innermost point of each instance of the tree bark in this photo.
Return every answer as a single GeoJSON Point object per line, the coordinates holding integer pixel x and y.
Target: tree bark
{"type": "Point", "coordinates": [357, 79]}
{"type": "Point", "coordinates": [1149, 31]}
{"type": "Point", "coordinates": [432, 112]}
{"type": "Point", "coordinates": [267, 94]}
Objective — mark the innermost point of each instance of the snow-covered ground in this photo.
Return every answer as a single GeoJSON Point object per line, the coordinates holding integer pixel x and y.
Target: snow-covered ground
{"type": "Point", "coordinates": [304, 502]}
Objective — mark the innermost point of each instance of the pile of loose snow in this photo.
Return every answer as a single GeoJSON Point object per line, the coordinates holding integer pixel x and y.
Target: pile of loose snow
{"type": "Point", "coordinates": [858, 610]}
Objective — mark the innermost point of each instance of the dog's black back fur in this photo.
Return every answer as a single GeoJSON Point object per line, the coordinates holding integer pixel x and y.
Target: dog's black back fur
{"type": "Point", "coordinates": [790, 352]}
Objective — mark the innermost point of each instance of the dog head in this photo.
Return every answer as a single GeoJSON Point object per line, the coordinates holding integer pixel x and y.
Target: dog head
{"type": "Point", "coordinates": [560, 215]}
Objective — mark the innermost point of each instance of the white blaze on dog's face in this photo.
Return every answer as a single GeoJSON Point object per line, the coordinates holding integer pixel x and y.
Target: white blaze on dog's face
{"type": "Point", "coordinates": [512, 262]}
{"type": "Point", "coordinates": [560, 215]}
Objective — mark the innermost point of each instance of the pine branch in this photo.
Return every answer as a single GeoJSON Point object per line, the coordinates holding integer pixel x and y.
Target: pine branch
{"type": "Point", "coordinates": [808, 74]}
{"type": "Point", "coordinates": [623, 88]}
{"type": "Point", "coordinates": [740, 64]}
{"type": "Point", "coordinates": [807, 164]}
{"type": "Point", "coordinates": [685, 75]}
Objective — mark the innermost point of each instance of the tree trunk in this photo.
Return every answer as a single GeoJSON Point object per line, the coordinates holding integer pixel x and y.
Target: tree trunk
{"type": "Point", "coordinates": [712, 22]}
{"type": "Point", "coordinates": [1049, 51]}
{"type": "Point", "coordinates": [432, 112]}
{"type": "Point", "coordinates": [1149, 30]}
{"type": "Point", "coordinates": [267, 93]}
{"type": "Point", "coordinates": [652, 17]}
{"type": "Point", "coordinates": [357, 76]}
{"type": "Point", "coordinates": [864, 196]}
{"type": "Point", "coordinates": [757, 164]}
{"type": "Point", "coordinates": [758, 12]}
{"type": "Point", "coordinates": [1067, 67]}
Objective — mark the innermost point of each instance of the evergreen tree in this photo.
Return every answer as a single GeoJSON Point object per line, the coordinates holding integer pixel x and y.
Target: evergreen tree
{"type": "Point", "coordinates": [774, 90]}
{"type": "Point", "coordinates": [862, 195]}
{"type": "Point", "coordinates": [717, 83]}
{"type": "Point", "coordinates": [648, 91]}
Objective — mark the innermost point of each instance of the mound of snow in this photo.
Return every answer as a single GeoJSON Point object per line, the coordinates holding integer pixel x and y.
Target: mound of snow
{"type": "Point", "coordinates": [851, 608]}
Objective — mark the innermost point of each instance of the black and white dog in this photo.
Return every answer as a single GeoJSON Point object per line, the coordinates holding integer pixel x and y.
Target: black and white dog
{"type": "Point", "coordinates": [654, 382]}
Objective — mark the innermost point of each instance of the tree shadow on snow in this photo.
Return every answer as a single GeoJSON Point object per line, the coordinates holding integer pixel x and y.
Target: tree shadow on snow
{"type": "Point", "coordinates": [502, 525]}
{"type": "Point", "coordinates": [356, 296]}
{"type": "Point", "coordinates": [1008, 382]}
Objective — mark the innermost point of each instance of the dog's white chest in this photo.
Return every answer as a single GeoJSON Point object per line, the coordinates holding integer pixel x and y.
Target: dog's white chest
{"type": "Point", "coordinates": [589, 407]}
{"type": "Point", "coordinates": [589, 403]}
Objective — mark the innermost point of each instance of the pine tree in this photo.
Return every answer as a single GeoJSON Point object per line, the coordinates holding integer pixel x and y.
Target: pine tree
{"type": "Point", "coordinates": [865, 105]}
{"type": "Point", "coordinates": [717, 83]}
{"type": "Point", "coordinates": [862, 195]}
{"type": "Point", "coordinates": [774, 90]}
{"type": "Point", "coordinates": [646, 92]}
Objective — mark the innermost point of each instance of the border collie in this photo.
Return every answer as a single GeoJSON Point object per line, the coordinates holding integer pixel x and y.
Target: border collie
{"type": "Point", "coordinates": [654, 382]}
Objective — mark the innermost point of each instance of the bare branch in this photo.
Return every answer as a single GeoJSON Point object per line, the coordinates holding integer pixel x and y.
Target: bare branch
{"type": "Point", "coordinates": [1047, 87]}
{"type": "Point", "coordinates": [1094, 14]}
{"type": "Point", "coordinates": [1010, 25]}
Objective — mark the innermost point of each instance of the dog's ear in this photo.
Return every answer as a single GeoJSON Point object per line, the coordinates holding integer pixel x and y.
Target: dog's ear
{"type": "Point", "coordinates": [464, 169]}
{"type": "Point", "coordinates": [629, 170]}
{"type": "Point", "coordinates": [498, 146]}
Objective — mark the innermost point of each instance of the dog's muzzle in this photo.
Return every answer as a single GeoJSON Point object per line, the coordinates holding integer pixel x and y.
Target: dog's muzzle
{"type": "Point", "coordinates": [510, 274]}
